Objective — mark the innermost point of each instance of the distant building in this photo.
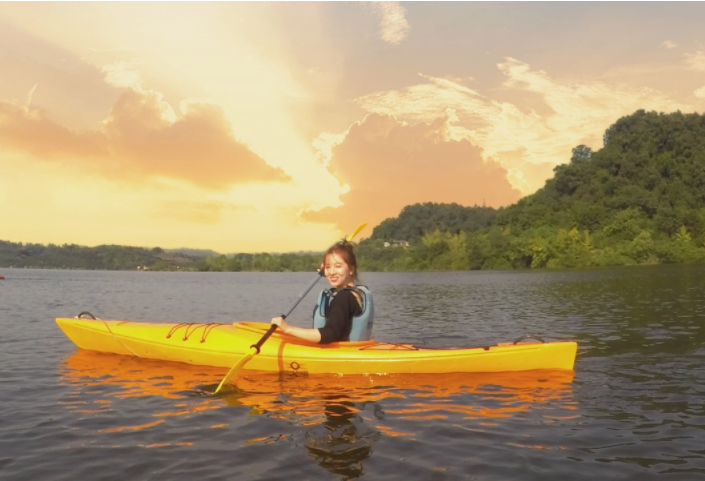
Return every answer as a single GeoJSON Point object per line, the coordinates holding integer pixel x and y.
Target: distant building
{"type": "Point", "coordinates": [397, 243]}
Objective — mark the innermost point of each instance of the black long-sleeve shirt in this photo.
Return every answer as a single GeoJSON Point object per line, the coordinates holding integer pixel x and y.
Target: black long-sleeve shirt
{"type": "Point", "coordinates": [341, 310]}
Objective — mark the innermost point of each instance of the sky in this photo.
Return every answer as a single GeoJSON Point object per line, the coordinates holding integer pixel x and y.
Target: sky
{"type": "Point", "coordinates": [281, 126]}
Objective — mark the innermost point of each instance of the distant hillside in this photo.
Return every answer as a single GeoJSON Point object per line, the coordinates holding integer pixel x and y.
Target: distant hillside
{"type": "Point", "coordinates": [193, 252]}
{"type": "Point", "coordinates": [638, 200]}
{"type": "Point", "coordinates": [105, 257]}
{"type": "Point", "coordinates": [112, 257]}
{"type": "Point", "coordinates": [652, 165]}
{"type": "Point", "coordinates": [416, 220]}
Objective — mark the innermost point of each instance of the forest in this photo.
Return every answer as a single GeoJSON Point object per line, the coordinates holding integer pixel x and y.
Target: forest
{"type": "Point", "coordinates": [640, 199]}
{"type": "Point", "coordinates": [104, 257]}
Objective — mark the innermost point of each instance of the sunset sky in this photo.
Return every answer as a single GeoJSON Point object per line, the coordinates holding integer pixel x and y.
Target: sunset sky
{"type": "Point", "coordinates": [279, 127]}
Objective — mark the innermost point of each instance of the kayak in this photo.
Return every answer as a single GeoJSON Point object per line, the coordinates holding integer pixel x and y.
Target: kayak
{"type": "Point", "coordinates": [223, 345]}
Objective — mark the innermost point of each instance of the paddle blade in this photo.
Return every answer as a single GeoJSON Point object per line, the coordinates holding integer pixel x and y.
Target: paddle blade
{"type": "Point", "coordinates": [236, 368]}
{"type": "Point", "coordinates": [356, 231]}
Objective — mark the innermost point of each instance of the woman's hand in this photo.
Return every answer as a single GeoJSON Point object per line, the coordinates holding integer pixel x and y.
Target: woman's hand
{"type": "Point", "coordinates": [311, 335]}
{"type": "Point", "coordinates": [279, 321]}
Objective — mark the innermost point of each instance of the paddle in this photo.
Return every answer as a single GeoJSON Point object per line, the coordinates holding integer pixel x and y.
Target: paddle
{"type": "Point", "coordinates": [254, 349]}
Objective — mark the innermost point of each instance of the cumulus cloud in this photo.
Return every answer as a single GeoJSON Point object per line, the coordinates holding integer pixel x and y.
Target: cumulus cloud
{"type": "Point", "coordinates": [392, 21]}
{"type": "Point", "coordinates": [388, 164]}
{"type": "Point", "coordinates": [668, 44]}
{"type": "Point", "coordinates": [700, 93]}
{"type": "Point", "coordinates": [30, 130]}
{"type": "Point", "coordinates": [526, 142]}
{"type": "Point", "coordinates": [143, 138]}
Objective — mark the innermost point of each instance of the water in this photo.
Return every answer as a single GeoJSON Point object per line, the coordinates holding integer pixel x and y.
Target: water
{"type": "Point", "coordinates": [633, 409]}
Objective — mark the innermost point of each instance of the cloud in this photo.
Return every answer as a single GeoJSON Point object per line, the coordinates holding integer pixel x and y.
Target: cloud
{"type": "Point", "coordinates": [122, 75]}
{"type": "Point", "coordinates": [30, 130]}
{"type": "Point", "coordinates": [143, 138]}
{"type": "Point", "coordinates": [30, 94]}
{"type": "Point", "coordinates": [700, 93]}
{"type": "Point", "coordinates": [392, 21]}
{"type": "Point", "coordinates": [389, 164]}
{"type": "Point", "coordinates": [527, 142]}
{"type": "Point", "coordinates": [38, 70]}
{"type": "Point", "coordinates": [57, 203]}
{"type": "Point", "coordinates": [668, 44]}
{"type": "Point", "coordinates": [696, 60]}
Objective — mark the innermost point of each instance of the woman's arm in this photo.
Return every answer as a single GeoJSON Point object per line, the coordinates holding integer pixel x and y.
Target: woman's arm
{"type": "Point", "coordinates": [311, 335]}
{"type": "Point", "coordinates": [338, 321]}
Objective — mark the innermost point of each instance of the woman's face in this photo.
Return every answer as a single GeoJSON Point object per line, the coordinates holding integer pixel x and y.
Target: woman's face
{"type": "Point", "coordinates": [337, 271]}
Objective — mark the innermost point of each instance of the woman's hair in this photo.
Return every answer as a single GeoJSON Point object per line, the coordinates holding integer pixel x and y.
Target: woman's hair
{"type": "Point", "coordinates": [345, 250]}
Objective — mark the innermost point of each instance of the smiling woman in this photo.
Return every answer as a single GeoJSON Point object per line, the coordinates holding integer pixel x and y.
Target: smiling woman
{"type": "Point", "coordinates": [343, 313]}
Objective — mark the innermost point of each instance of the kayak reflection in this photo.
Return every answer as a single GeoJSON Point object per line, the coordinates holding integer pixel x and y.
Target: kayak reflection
{"type": "Point", "coordinates": [305, 397]}
{"type": "Point", "coordinates": [343, 416]}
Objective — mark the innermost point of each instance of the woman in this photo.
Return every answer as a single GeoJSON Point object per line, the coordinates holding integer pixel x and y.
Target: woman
{"type": "Point", "coordinates": [344, 312]}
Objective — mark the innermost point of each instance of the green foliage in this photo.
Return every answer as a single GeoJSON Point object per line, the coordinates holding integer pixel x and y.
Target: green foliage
{"type": "Point", "coordinates": [571, 249]}
{"type": "Point", "coordinates": [441, 251]}
{"type": "Point", "coordinates": [682, 236]}
{"type": "Point", "coordinates": [111, 257]}
{"type": "Point", "coordinates": [416, 220]}
{"type": "Point", "coordinates": [581, 153]}
{"type": "Point", "coordinates": [263, 262]}
{"type": "Point", "coordinates": [105, 257]}
{"type": "Point", "coordinates": [624, 224]}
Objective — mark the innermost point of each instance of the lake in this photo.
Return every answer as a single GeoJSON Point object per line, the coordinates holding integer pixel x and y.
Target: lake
{"type": "Point", "coordinates": [634, 408]}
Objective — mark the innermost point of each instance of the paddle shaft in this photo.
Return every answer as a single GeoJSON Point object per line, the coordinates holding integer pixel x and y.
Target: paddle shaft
{"type": "Point", "coordinates": [284, 316]}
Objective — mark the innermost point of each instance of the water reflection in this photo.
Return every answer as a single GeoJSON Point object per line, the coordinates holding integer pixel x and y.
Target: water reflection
{"type": "Point", "coordinates": [650, 310]}
{"type": "Point", "coordinates": [343, 441]}
{"type": "Point", "coordinates": [337, 419]}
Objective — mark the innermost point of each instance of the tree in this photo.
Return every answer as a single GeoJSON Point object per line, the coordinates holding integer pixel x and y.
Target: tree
{"type": "Point", "coordinates": [581, 153]}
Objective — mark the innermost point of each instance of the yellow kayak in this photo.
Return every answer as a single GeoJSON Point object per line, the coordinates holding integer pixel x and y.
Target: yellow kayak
{"type": "Point", "coordinates": [223, 345]}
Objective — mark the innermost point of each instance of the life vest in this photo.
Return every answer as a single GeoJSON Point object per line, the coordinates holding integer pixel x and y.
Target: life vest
{"type": "Point", "coordinates": [361, 325]}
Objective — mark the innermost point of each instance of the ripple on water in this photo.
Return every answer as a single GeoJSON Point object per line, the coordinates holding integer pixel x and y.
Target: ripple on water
{"type": "Point", "coordinates": [633, 408]}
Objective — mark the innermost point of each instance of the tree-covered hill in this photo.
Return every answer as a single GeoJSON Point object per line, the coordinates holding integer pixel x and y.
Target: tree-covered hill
{"type": "Point", "coordinates": [638, 200]}
{"type": "Point", "coordinates": [416, 220]}
{"type": "Point", "coordinates": [652, 164]}
{"type": "Point", "coordinates": [104, 257]}
{"type": "Point", "coordinates": [113, 257]}
{"type": "Point", "coordinates": [194, 252]}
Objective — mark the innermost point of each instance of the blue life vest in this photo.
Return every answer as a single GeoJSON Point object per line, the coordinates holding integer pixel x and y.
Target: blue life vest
{"type": "Point", "coordinates": [361, 325]}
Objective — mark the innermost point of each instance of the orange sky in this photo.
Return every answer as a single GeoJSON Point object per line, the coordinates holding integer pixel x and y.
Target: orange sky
{"type": "Point", "coordinates": [278, 127]}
